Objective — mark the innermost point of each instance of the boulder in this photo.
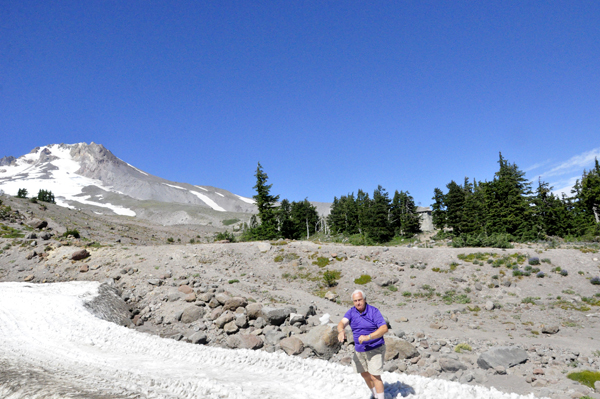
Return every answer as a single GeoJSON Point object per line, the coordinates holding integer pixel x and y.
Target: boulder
{"type": "Point", "coordinates": [29, 278]}
{"type": "Point", "coordinates": [81, 254]}
{"type": "Point", "coordinates": [192, 313]}
{"type": "Point", "coordinates": [296, 318]}
{"type": "Point", "coordinates": [276, 316]}
{"type": "Point", "coordinates": [231, 327]}
{"type": "Point", "coordinates": [489, 305]}
{"type": "Point", "coordinates": [322, 340]}
{"type": "Point", "coordinates": [398, 348]}
{"type": "Point", "coordinates": [244, 341]}
{"type": "Point", "coordinates": [45, 236]}
{"type": "Point", "coordinates": [241, 321]}
{"type": "Point", "coordinates": [37, 223]}
{"type": "Point", "coordinates": [331, 296]}
{"type": "Point", "coordinates": [292, 345]}
{"type": "Point", "coordinates": [260, 322]}
{"type": "Point", "coordinates": [273, 337]}
{"type": "Point", "coordinates": [263, 246]}
{"type": "Point", "coordinates": [234, 303]}
{"type": "Point", "coordinates": [307, 311]}
{"type": "Point", "coordinates": [222, 298]}
{"type": "Point", "coordinates": [224, 319]}
{"type": "Point", "coordinates": [451, 365]}
{"type": "Point", "coordinates": [198, 338]}
{"type": "Point", "coordinates": [253, 310]}
{"type": "Point", "coordinates": [84, 269]}
{"type": "Point", "coordinates": [550, 329]}
{"type": "Point", "coordinates": [206, 296]}
{"type": "Point", "coordinates": [505, 356]}
{"type": "Point", "coordinates": [31, 236]}
{"type": "Point", "coordinates": [186, 289]}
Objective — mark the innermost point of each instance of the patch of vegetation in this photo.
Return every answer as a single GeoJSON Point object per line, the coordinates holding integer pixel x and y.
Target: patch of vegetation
{"type": "Point", "coordinates": [170, 240]}
{"type": "Point", "coordinates": [225, 235]}
{"type": "Point", "coordinates": [585, 377]}
{"type": "Point", "coordinates": [534, 260]}
{"type": "Point", "coordinates": [279, 242]}
{"type": "Point", "coordinates": [9, 232]}
{"type": "Point", "coordinates": [546, 260]}
{"type": "Point", "coordinates": [595, 280]}
{"type": "Point", "coordinates": [530, 299]}
{"type": "Point", "coordinates": [392, 288]}
{"type": "Point", "coordinates": [235, 280]}
{"type": "Point", "coordinates": [72, 232]}
{"type": "Point", "coordinates": [363, 279]}
{"type": "Point", "coordinates": [462, 347]}
{"type": "Point", "coordinates": [591, 301]}
{"type": "Point", "coordinates": [331, 277]}
{"type": "Point", "coordinates": [228, 222]}
{"type": "Point", "coordinates": [321, 261]}
{"type": "Point", "coordinates": [451, 297]}
{"type": "Point", "coordinates": [474, 309]}
{"type": "Point", "coordinates": [406, 294]}
{"type": "Point", "coordinates": [566, 305]}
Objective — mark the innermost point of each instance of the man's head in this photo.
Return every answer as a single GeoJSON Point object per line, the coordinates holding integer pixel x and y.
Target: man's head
{"type": "Point", "coordinates": [360, 300]}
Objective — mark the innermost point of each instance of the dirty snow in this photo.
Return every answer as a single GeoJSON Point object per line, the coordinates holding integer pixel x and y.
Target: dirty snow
{"type": "Point", "coordinates": [170, 185]}
{"type": "Point", "coordinates": [53, 347]}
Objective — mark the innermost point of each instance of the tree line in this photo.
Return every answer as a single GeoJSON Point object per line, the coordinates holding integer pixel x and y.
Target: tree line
{"type": "Point", "coordinates": [492, 213]}
{"type": "Point", "coordinates": [377, 219]}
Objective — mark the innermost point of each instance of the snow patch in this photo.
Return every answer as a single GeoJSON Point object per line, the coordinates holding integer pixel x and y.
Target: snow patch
{"type": "Point", "coordinates": [208, 201]}
{"type": "Point", "coordinates": [247, 200]}
{"type": "Point", "coordinates": [170, 185]}
{"type": "Point", "coordinates": [202, 188]}
{"type": "Point", "coordinates": [142, 172]}
{"type": "Point", "coordinates": [53, 347]}
{"type": "Point", "coordinates": [220, 194]}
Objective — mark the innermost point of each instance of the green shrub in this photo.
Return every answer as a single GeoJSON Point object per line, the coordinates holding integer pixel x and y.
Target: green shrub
{"type": "Point", "coordinates": [225, 235]}
{"type": "Point", "coordinates": [363, 279]}
{"type": "Point", "coordinates": [530, 300]}
{"type": "Point", "coordinates": [235, 280]}
{"type": "Point", "coordinates": [170, 240]}
{"type": "Point", "coordinates": [71, 232]}
{"type": "Point", "coordinates": [462, 347]}
{"type": "Point", "coordinates": [321, 261]}
{"type": "Point", "coordinates": [406, 293]}
{"type": "Point", "coordinates": [534, 261]}
{"type": "Point", "coordinates": [585, 377]}
{"type": "Point", "coordinates": [392, 288]}
{"type": "Point", "coordinates": [331, 276]}
{"type": "Point", "coordinates": [595, 281]}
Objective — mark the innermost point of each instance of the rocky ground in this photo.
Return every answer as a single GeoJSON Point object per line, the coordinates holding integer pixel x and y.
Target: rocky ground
{"type": "Point", "coordinates": [453, 314]}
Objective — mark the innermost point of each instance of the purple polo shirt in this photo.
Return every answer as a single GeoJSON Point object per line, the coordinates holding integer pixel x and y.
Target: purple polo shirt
{"type": "Point", "coordinates": [365, 323]}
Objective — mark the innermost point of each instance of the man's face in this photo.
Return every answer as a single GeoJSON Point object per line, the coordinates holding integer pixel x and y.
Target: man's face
{"type": "Point", "coordinates": [359, 302]}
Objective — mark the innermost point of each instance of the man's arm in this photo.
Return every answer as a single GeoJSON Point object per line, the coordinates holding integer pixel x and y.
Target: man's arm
{"type": "Point", "coordinates": [374, 335]}
{"type": "Point", "coordinates": [341, 326]}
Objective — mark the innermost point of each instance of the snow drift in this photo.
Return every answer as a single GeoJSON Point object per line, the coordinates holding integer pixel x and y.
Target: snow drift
{"type": "Point", "coordinates": [54, 347]}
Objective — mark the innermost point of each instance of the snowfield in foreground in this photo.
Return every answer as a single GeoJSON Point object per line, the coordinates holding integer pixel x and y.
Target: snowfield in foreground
{"type": "Point", "coordinates": [53, 347]}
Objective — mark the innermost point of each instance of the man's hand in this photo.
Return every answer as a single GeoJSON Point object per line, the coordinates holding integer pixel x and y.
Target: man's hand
{"type": "Point", "coordinates": [363, 338]}
{"type": "Point", "coordinates": [342, 336]}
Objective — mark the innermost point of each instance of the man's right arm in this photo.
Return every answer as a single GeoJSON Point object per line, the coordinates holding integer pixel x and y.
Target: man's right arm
{"type": "Point", "coordinates": [341, 326]}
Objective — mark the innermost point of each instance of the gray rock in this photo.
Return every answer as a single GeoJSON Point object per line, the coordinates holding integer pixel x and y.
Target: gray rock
{"type": "Point", "coordinates": [154, 281]}
{"type": "Point", "coordinates": [331, 296]}
{"type": "Point", "coordinates": [273, 337]}
{"type": "Point", "coordinates": [206, 296]}
{"type": "Point", "coordinates": [296, 318]}
{"type": "Point", "coordinates": [322, 340]}
{"type": "Point", "coordinates": [235, 302]}
{"type": "Point", "coordinates": [398, 348]}
{"type": "Point", "coordinates": [260, 322]}
{"type": "Point", "coordinates": [489, 305]}
{"type": "Point", "coordinates": [277, 316]}
{"type": "Point", "coordinates": [45, 236]}
{"type": "Point", "coordinates": [225, 318]}
{"type": "Point", "coordinates": [31, 236]}
{"type": "Point", "coordinates": [307, 311]}
{"type": "Point", "coordinates": [451, 365]}
{"type": "Point", "coordinates": [244, 341]}
{"type": "Point", "coordinates": [263, 246]}
{"type": "Point", "coordinates": [81, 254]}
{"type": "Point", "coordinates": [37, 223]}
{"type": "Point", "coordinates": [231, 327]}
{"type": "Point", "coordinates": [478, 286]}
{"type": "Point", "coordinates": [222, 298]}
{"type": "Point", "coordinates": [292, 345]}
{"type": "Point", "coordinates": [241, 321]}
{"type": "Point", "coordinates": [198, 338]}
{"type": "Point", "coordinates": [253, 310]}
{"type": "Point", "coordinates": [550, 329]}
{"type": "Point", "coordinates": [192, 313]}
{"type": "Point", "coordinates": [505, 356]}
{"type": "Point", "coordinates": [390, 367]}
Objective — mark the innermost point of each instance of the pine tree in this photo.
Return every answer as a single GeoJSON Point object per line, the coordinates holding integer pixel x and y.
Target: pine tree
{"type": "Point", "coordinates": [265, 202]}
{"type": "Point", "coordinates": [405, 220]}
{"type": "Point", "coordinates": [285, 225]}
{"type": "Point", "coordinates": [379, 228]}
{"type": "Point", "coordinates": [22, 193]}
{"type": "Point", "coordinates": [438, 209]}
{"type": "Point", "coordinates": [305, 219]}
{"type": "Point", "coordinates": [455, 201]}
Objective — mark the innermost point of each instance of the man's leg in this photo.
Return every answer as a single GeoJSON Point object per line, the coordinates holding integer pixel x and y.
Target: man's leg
{"type": "Point", "coordinates": [368, 379]}
{"type": "Point", "coordinates": [377, 383]}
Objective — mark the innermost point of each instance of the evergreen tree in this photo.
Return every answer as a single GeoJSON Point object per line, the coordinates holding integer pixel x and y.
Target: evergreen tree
{"type": "Point", "coordinates": [46, 196]}
{"type": "Point", "coordinates": [265, 202]}
{"type": "Point", "coordinates": [473, 209]}
{"type": "Point", "coordinates": [405, 220]}
{"type": "Point", "coordinates": [284, 219]}
{"type": "Point", "coordinates": [455, 201]}
{"type": "Point", "coordinates": [438, 209]}
{"type": "Point", "coordinates": [305, 219]}
{"type": "Point", "coordinates": [363, 212]}
{"type": "Point", "coordinates": [590, 191]}
{"type": "Point", "coordinates": [22, 193]}
{"type": "Point", "coordinates": [379, 228]}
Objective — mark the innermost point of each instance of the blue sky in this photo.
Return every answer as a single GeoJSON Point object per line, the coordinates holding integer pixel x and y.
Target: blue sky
{"type": "Point", "coordinates": [330, 96]}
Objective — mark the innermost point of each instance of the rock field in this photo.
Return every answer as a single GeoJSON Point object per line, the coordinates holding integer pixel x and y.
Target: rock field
{"type": "Point", "coordinates": [452, 316]}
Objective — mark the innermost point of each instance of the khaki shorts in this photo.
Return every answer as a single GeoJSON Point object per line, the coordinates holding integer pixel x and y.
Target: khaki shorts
{"type": "Point", "coordinates": [369, 361]}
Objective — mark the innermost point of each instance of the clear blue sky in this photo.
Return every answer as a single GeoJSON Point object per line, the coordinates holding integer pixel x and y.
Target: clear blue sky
{"type": "Point", "coordinates": [330, 96]}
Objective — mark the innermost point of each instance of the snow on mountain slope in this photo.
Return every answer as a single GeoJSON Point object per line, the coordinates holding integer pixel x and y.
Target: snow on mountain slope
{"type": "Point", "coordinates": [53, 347]}
{"type": "Point", "coordinates": [75, 172]}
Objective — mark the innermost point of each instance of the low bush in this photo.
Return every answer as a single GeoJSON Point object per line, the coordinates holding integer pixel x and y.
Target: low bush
{"type": "Point", "coordinates": [564, 272]}
{"type": "Point", "coordinates": [595, 280]}
{"type": "Point", "coordinates": [462, 347]}
{"type": "Point", "coordinates": [225, 235]}
{"type": "Point", "coordinates": [71, 232]}
{"type": "Point", "coordinates": [321, 261]}
{"type": "Point", "coordinates": [534, 261]}
{"type": "Point", "coordinates": [585, 377]}
{"type": "Point", "coordinates": [331, 277]}
{"type": "Point", "coordinates": [363, 279]}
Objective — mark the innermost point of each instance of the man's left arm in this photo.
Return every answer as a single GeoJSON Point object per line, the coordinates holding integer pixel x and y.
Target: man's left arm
{"type": "Point", "coordinates": [380, 332]}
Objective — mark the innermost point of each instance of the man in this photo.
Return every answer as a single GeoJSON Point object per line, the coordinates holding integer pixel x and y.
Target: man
{"type": "Point", "coordinates": [368, 327]}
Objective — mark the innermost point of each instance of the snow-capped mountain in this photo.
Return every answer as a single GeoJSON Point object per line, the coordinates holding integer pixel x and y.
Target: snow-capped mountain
{"type": "Point", "coordinates": [90, 176]}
